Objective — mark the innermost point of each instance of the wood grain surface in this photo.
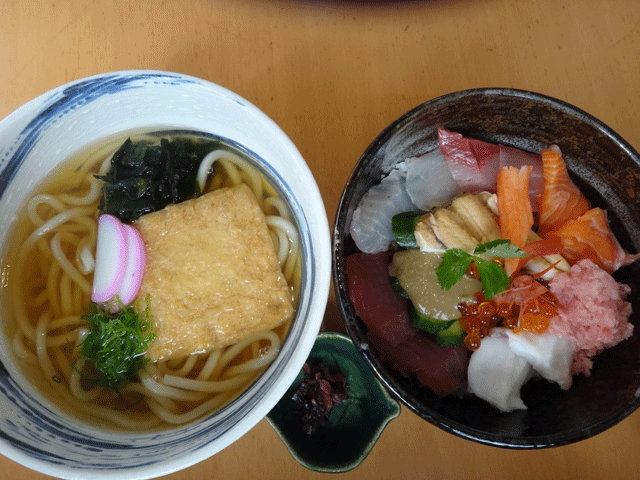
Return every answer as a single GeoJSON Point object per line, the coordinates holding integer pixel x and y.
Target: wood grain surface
{"type": "Point", "coordinates": [333, 75]}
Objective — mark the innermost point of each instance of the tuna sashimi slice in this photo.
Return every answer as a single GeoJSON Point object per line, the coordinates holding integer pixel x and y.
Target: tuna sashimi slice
{"type": "Point", "coordinates": [441, 369]}
{"type": "Point", "coordinates": [589, 236]}
{"type": "Point", "coordinates": [561, 199]}
{"type": "Point", "coordinates": [381, 308]}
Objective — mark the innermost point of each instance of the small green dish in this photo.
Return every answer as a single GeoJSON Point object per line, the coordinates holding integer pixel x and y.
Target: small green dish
{"type": "Point", "coordinates": [353, 427]}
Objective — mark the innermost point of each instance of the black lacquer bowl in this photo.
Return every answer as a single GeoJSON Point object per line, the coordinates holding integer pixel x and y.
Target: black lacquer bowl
{"type": "Point", "coordinates": [607, 170]}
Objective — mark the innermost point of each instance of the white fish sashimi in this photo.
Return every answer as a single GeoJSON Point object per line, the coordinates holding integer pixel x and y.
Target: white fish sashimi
{"type": "Point", "coordinates": [550, 355]}
{"type": "Point", "coordinates": [371, 221]}
{"type": "Point", "coordinates": [496, 374]}
{"type": "Point", "coordinates": [429, 180]}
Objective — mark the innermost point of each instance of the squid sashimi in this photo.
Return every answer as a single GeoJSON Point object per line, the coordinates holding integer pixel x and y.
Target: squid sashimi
{"type": "Point", "coordinates": [589, 236]}
{"type": "Point", "coordinates": [544, 260]}
{"type": "Point", "coordinates": [496, 374]}
{"type": "Point", "coordinates": [561, 200]}
{"type": "Point", "coordinates": [514, 209]}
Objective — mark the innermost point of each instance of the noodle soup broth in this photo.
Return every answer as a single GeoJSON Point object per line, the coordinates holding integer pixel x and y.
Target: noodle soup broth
{"type": "Point", "coordinates": [50, 258]}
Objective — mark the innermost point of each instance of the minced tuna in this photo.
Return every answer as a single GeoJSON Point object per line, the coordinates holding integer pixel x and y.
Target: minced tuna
{"type": "Point", "coordinates": [593, 312]}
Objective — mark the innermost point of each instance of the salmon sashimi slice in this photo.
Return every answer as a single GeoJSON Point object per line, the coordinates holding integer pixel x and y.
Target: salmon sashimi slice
{"type": "Point", "coordinates": [561, 200]}
{"type": "Point", "coordinates": [515, 215]}
{"type": "Point", "coordinates": [546, 248]}
{"type": "Point", "coordinates": [543, 248]}
{"type": "Point", "coordinates": [589, 236]}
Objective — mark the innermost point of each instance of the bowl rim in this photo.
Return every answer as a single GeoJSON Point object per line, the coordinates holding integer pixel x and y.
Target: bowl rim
{"type": "Point", "coordinates": [350, 317]}
{"type": "Point", "coordinates": [319, 253]}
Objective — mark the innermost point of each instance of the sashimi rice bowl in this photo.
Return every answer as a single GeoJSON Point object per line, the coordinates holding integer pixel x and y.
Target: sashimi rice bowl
{"type": "Point", "coordinates": [486, 264]}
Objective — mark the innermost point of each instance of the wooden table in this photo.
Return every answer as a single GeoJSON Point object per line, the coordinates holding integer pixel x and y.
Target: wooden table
{"type": "Point", "coordinates": [333, 74]}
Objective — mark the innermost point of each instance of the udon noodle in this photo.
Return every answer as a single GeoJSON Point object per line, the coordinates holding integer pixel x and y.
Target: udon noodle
{"type": "Point", "coordinates": [54, 255]}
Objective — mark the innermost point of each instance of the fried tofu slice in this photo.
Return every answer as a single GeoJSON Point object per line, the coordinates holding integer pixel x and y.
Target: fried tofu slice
{"type": "Point", "coordinates": [212, 275]}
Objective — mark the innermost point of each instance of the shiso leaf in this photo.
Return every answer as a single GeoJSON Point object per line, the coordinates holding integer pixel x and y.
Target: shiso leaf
{"type": "Point", "coordinates": [494, 279]}
{"type": "Point", "coordinates": [500, 248]}
{"type": "Point", "coordinates": [453, 267]}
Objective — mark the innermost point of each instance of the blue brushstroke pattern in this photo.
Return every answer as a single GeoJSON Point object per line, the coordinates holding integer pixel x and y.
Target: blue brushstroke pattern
{"type": "Point", "coordinates": [69, 99]}
{"type": "Point", "coordinates": [48, 431]}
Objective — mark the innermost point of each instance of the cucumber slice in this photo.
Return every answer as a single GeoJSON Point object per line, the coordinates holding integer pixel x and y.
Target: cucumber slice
{"type": "Point", "coordinates": [452, 336]}
{"type": "Point", "coordinates": [403, 225]}
{"type": "Point", "coordinates": [428, 324]}
{"type": "Point", "coordinates": [395, 284]}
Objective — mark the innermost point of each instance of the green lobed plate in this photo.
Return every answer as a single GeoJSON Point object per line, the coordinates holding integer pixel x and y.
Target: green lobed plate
{"type": "Point", "coordinates": [353, 426]}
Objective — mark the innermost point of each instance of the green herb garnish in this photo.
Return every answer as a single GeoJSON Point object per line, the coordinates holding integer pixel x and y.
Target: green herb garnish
{"type": "Point", "coordinates": [455, 263]}
{"type": "Point", "coordinates": [116, 344]}
{"type": "Point", "coordinates": [144, 178]}
{"type": "Point", "coordinates": [500, 248]}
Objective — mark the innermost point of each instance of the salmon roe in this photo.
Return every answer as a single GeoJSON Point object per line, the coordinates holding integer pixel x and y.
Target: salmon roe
{"type": "Point", "coordinates": [481, 315]}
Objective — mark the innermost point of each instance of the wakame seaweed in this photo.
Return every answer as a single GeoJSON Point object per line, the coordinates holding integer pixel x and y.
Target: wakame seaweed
{"type": "Point", "coordinates": [144, 178]}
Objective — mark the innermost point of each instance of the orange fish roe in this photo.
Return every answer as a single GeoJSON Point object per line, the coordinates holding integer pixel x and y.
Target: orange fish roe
{"type": "Point", "coordinates": [478, 318]}
{"type": "Point", "coordinates": [527, 305]}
